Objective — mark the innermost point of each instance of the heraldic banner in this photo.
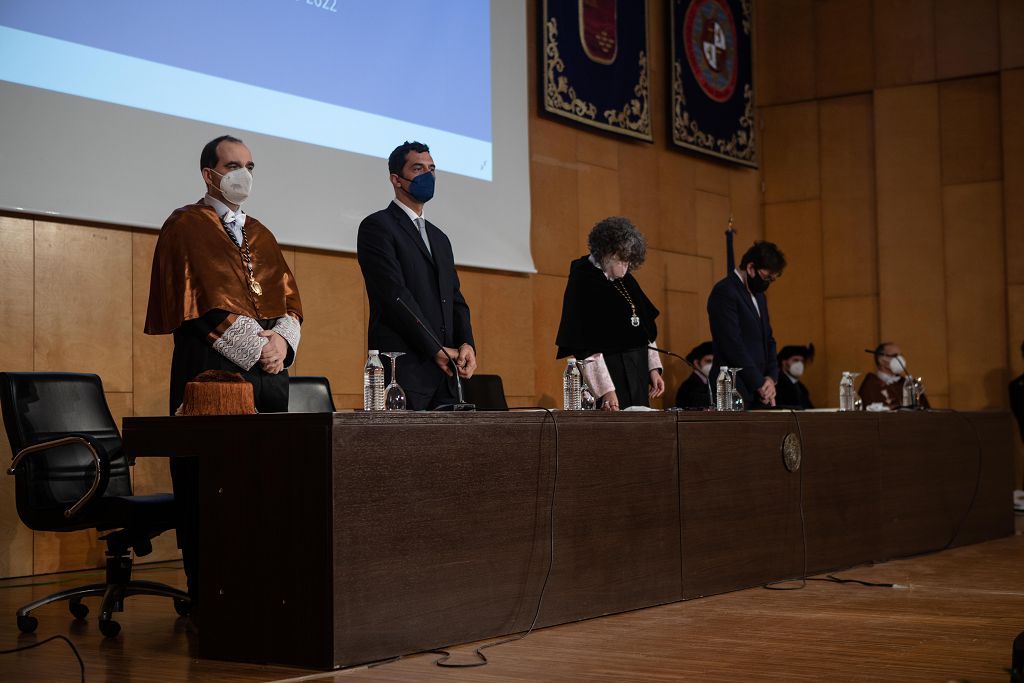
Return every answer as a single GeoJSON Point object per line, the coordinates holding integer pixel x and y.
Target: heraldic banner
{"type": "Point", "coordinates": [712, 78]}
{"type": "Point", "coordinates": [594, 64]}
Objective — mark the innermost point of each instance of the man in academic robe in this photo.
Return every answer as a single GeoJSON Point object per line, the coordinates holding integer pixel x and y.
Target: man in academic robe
{"type": "Point", "coordinates": [221, 286]}
{"type": "Point", "coordinates": [741, 332]}
{"type": "Point", "coordinates": [790, 392]}
{"type": "Point", "coordinates": [1017, 407]}
{"type": "Point", "coordinates": [885, 384]}
{"type": "Point", "coordinates": [405, 257]}
{"type": "Point", "coordinates": [693, 392]}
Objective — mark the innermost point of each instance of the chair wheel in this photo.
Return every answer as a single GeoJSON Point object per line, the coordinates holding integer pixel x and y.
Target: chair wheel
{"type": "Point", "coordinates": [182, 607]}
{"type": "Point", "coordinates": [27, 624]}
{"type": "Point", "coordinates": [78, 610]}
{"type": "Point", "coordinates": [109, 628]}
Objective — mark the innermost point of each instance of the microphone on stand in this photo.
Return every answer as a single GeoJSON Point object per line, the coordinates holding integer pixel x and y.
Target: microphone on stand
{"type": "Point", "coordinates": [711, 397]}
{"type": "Point", "coordinates": [461, 405]}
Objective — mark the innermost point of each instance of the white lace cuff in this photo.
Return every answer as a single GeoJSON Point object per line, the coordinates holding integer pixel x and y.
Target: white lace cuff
{"type": "Point", "coordinates": [598, 377]}
{"type": "Point", "coordinates": [289, 328]}
{"type": "Point", "coordinates": [241, 343]}
{"type": "Point", "coordinates": [653, 358]}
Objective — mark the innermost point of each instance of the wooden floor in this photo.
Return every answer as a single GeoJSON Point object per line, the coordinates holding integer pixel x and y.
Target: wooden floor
{"type": "Point", "coordinates": [954, 617]}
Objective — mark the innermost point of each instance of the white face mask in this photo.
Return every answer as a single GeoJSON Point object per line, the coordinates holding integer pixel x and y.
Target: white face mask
{"type": "Point", "coordinates": [897, 365]}
{"type": "Point", "coordinates": [706, 369]}
{"type": "Point", "coordinates": [796, 369]}
{"type": "Point", "coordinates": [236, 185]}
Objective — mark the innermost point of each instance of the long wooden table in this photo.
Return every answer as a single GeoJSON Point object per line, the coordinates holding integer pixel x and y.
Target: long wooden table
{"type": "Point", "coordinates": [330, 540]}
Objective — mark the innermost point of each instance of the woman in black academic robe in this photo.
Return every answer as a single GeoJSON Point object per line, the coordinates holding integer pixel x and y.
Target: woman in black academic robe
{"type": "Point", "coordinates": [606, 316]}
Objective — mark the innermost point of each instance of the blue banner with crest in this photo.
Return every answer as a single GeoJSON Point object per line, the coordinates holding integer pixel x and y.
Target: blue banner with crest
{"type": "Point", "coordinates": [712, 99]}
{"type": "Point", "coordinates": [594, 56]}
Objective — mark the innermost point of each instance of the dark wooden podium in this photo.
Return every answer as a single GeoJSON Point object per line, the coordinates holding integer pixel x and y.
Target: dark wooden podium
{"type": "Point", "coordinates": [335, 539]}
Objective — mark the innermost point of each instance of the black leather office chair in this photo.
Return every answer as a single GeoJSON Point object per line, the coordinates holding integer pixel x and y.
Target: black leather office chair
{"type": "Point", "coordinates": [486, 392]}
{"type": "Point", "coordinates": [70, 473]}
{"type": "Point", "coordinates": [309, 395]}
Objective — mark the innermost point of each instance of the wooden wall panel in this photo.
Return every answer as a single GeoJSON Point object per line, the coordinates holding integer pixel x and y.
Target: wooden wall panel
{"type": "Point", "coordinates": [82, 304]}
{"type": "Point", "coordinates": [678, 202]}
{"type": "Point", "coordinates": [333, 328]}
{"type": "Point", "coordinates": [1013, 171]}
{"type": "Point", "coordinates": [784, 51]}
{"type": "Point", "coordinates": [547, 312]}
{"type": "Point", "coordinates": [966, 37]}
{"type": "Point", "coordinates": [598, 149]}
{"type": "Point", "coordinates": [851, 325]}
{"type": "Point", "coordinates": [975, 295]}
{"type": "Point", "coordinates": [638, 189]}
{"type": "Point", "coordinates": [151, 354]}
{"type": "Point", "coordinates": [745, 204]}
{"type": "Point", "coordinates": [712, 220]}
{"type": "Point", "coordinates": [16, 283]}
{"type": "Point", "coordinates": [789, 143]}
{"type": "Point", "coordinates": [849, 236]}
{"type": "Point", "coordinates": [554, 236]}
{"type": "Point", "coordinates": [912, 305]}
{"type": "Point", "coordinates": [971, 131]}
{"type": "Point", "coordinates": [904, 42]}
{"type": "Point", "coordinates": [712, 176]}
{"type": "Point", "coordinates": [682, 332]}
{"type": "Point", "coordinates": [553, 193]}
{"type": "Point", "coordinates": [795, 302]}
{"type": "Point", "coordinates": [844, 55]}
{"type": "Point", "coordinates": [16, 310]}
{"type": "Point", "coordinates": [1011, 28]}
{"type": "Point", "coordinates": [505, 314]}
{"type": "Point", "coordinates": [597, 198]}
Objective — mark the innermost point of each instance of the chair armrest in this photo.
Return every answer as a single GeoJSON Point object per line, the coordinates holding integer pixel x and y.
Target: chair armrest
{"type": "Point", "coordinates": [100, 460]}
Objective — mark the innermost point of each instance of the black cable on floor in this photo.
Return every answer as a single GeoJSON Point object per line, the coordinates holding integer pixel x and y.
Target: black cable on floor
{"type": "Point", "coordinates": [81, 664]}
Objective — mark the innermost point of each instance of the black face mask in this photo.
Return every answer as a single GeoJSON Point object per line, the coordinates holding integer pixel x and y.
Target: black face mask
{"type": "Point", "coordinates": [757, 284]}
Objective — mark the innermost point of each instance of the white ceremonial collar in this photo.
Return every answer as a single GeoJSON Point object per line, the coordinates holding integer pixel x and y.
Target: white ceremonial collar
{"type": "Point", "coordinates": [408, 212]}
{"type": "Point", "coordinates": [887, 378]}
{"type": "Point", "coordinates": [594, 262]}
{"type": "Point", "coordinates": [792, 379]}
{"type": "Point", "coordinates": [225, 212]}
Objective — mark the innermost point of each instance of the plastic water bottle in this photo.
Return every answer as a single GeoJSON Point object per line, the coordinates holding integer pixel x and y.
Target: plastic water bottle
{"type": "Point", "coordinates": [847, 398]}
{"type": "Point", "coordinates": [373, 382]}
{"type": "Point", "coordinates": [571, 398]}
{"type": "Point", "coordinates": [723, 390]}
{"type": "Point", "coordinates": [909, 393]}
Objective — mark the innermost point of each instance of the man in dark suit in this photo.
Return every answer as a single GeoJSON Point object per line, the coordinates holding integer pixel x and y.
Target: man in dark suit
{"type": "Point", "coordinates": [741, 332]}
{"type": "Point", "coordinates": [402, 255]}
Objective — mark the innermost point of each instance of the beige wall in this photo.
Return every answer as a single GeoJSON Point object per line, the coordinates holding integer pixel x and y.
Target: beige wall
{"type": "Point", "coordinates": [892, 149]}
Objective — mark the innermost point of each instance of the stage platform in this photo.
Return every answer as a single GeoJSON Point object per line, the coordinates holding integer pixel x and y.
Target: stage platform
{"type": "Point", "coordinates": [953, 619]}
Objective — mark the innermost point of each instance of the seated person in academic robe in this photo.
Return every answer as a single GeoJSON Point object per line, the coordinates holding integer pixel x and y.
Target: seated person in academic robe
{"type": "Point", "coordinates": [221, 286]}
{"type": "Point", "coordinates": [790, 392]}
{"type": "Point", "coordinates": [885, 384]}
{"type": "Point", "coordinates": [693, 392]}
{"type": "Point", "coordinates": [608, 319]}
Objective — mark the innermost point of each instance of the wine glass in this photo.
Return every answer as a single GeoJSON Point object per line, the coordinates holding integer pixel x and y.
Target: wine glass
{"type": "Point", "coordinates": [394, 395]}
{"type": "Point", "coordinates": [587, 399]}
{"type": "Point", "coordinates": [736, 401]}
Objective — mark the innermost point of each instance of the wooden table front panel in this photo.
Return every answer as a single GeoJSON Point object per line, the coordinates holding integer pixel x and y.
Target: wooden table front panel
{"type": "Point", "coordinates": [441, 528]}
{"type": "Point", "coordinates": [740, 505]}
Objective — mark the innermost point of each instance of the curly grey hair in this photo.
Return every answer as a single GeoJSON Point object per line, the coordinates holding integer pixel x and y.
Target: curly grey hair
{"type": "Point", "coordinates": [617, 236]}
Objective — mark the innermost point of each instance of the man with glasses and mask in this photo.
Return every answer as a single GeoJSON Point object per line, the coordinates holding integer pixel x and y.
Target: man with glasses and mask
{"type": "Point", "coordinates": [221, 286]}
{"type": "Point", "coordinates": [405, 256]}
{"type": "Point", "coordinates": [741, 332]}
{"type": "Point", "coordinates": [885, 384]}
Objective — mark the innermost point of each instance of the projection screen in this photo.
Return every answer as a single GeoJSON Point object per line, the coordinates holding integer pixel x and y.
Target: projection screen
{"type": "Point", "coordinates": [105, 106]}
